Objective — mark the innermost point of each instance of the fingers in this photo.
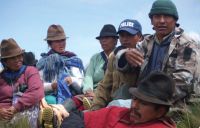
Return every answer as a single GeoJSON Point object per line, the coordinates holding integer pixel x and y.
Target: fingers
{"type": "Point", "coordinates": [13, 110]}
{"type": "Point", "coordinates": [54, 85]}
{"type": "Point", "coordinates": [68, 80]}
{"type": "Point", "coordinates": [134, 57]}
{"type": "Point", "coordinates": [6, 114]}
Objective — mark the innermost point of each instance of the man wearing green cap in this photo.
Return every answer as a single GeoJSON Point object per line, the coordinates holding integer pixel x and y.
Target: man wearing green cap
{"type": "Point", "coordinates": [169, 50]}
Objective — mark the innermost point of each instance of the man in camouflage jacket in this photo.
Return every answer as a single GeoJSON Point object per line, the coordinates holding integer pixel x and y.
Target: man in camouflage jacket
{"type": "Point", "coordinates": [169, 50]}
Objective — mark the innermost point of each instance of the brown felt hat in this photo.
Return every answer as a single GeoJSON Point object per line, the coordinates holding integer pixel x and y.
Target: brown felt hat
{"type": "Point", "coordinates": [55, 32]}
{"type": "Point", "coordinates": [156, 88]}
{"type": "Point", "coordinates": [10, 48]}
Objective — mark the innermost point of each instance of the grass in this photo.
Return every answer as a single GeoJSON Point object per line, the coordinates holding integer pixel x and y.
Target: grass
{"type": "Point", "coordinates": [191, 118]}
{"type": "Point", "coordinates": [20, 123]}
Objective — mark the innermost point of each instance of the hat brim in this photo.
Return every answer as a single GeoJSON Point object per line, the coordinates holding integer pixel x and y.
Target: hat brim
{"type": "Point", "coordinates": [137, 93]}
{"type": "Point", "coordinates": [55, 38]}
{"type": "Point", "coordinates": [111, 35]}
{"type": "Point", "coordinates": [129, 30]}
{"type": "Point", "coordinates": [13, 55]}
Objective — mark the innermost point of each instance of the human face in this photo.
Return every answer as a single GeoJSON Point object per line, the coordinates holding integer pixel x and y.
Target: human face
{"type": "Point", "coordinates": [108, 44]}
{"type": "Point", "coordinates": [14, 63]}
{"type": "Point", "coordinates": [58, 45]}
{"type": "Point", "coordinates": [163, 25]}
{"type": "Point", "coordinates": [142, 111]}
{"type": "Point", "coordinates": [128, 40]}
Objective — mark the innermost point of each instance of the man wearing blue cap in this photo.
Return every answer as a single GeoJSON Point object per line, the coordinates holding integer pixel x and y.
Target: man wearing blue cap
{"type": "Point", "coordinates": [112, 86]}
{"type": "Point", "coordinates": [168, 50]}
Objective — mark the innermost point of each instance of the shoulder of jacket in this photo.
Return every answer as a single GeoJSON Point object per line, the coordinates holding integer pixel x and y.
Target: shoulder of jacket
{"type": "Point", "coordinates": [96, 54]}
{"type": "Point", "coordinates": [111, 56]}
{"type": "Point", "coordinates": [119, 48]}
{"type": "Point", "coordinates": [30, 70]}
{"type": "Point", "coordinates": [184, 38]}
{"type": "Point", "coordinates": [148, 37]}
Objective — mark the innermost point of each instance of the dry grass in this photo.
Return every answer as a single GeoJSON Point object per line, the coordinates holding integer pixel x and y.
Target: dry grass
{"type": "Point", "coordinates": [191, 118]}
{"type": "Point", "coordinates": [20, 123]}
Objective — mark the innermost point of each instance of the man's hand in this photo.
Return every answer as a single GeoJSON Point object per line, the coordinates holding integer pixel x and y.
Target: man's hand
{"type": "Point", "coordinates": [134, 57]}
{"type": "Point", "coordinates": [68, 80]}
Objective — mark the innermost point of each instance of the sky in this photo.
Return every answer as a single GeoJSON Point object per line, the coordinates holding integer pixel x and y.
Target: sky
{"type": "Point", "coordinates": [27, 21]}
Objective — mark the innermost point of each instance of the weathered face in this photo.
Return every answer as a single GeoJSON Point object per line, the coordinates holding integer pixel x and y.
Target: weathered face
{"type": "Point", "coordinates": [142, 111]}
{"type": "Point", "coordinates": [14, 63]}
{"type": "Point", "coordinates": [163, 24]}
{"type": "Point", "coordinates": [58, 45]}
{"type": "Point", "coordinates": [108, 43]}
{"type": "Point", "coordinates": [128, 40]}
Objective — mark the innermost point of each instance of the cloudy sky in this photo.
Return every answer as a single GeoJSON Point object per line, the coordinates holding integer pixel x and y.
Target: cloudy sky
{"type": "Point", "coordinates": [27, 21]}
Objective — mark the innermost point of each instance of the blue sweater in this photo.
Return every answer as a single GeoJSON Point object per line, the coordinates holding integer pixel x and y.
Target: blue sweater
{"type": "Point", "coordinates": [158, 54]}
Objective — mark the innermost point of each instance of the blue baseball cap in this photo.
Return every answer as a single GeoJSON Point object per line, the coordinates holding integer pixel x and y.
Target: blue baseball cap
{"type": "Point", "coordinates": [130, 26]}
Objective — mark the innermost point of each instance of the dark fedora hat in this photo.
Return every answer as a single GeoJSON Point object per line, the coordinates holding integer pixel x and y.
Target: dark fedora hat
{"type": "Point", "coordinates": [10, 48]}
{"type": "Point", "coordinates": [156, 88]}
{"type": "Point", "coordinates": [108, 30]}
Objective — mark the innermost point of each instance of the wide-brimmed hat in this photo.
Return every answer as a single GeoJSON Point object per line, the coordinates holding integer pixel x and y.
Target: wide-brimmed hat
{"type": "Point", "coordinates": [157, 88]}
{"type": "Point", "coordinates": [130, 26]}
{"type": "Point", "coordinates": [55, 32]}
{"type": "Point", "coordinates": [108, 30]}
{"type": "Point", "coordinates": [10, 48]}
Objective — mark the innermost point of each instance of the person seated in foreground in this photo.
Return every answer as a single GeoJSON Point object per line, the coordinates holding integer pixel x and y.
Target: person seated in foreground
{"type": "Point", "coordinates": [150, 103]}
{"type": "Point", "coordinates": [21, 88]}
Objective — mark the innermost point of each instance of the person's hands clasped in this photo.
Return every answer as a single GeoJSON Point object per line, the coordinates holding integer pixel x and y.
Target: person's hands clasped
{"type": "Point", "coordinates": [7, 114]}
{"type": "Point", "coordinates": [134, 57]}
{"type": "Point", "coordinates": [13, 109]}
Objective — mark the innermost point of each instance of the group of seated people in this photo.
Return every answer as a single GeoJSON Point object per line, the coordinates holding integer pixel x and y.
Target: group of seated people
{"type": "Point", "coordinates": [132, 85]}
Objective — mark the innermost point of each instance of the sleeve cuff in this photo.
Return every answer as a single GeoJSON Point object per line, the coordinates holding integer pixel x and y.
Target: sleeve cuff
{"type": "Point", "coordinates": [121, 62]}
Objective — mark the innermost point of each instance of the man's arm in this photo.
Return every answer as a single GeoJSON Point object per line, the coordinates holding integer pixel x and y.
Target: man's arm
{"type": "Point", "coordinates": [129, 58]}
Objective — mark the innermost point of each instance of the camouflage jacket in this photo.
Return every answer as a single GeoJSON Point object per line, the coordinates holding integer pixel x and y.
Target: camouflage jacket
{"type": "Point", "coordinates": [181, 62]}
{"type": "Point", "coordinates": [112, 81]}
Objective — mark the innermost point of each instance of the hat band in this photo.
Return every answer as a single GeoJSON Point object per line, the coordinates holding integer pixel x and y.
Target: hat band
{"type": "Point", "coordinates": [56, 37]}
{"type": "Point", "coordinates": [12, 53]}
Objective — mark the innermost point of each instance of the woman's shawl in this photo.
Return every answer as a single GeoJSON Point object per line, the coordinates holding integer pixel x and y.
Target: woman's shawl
{"type": "Point", "coordinates": [57, 67]}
